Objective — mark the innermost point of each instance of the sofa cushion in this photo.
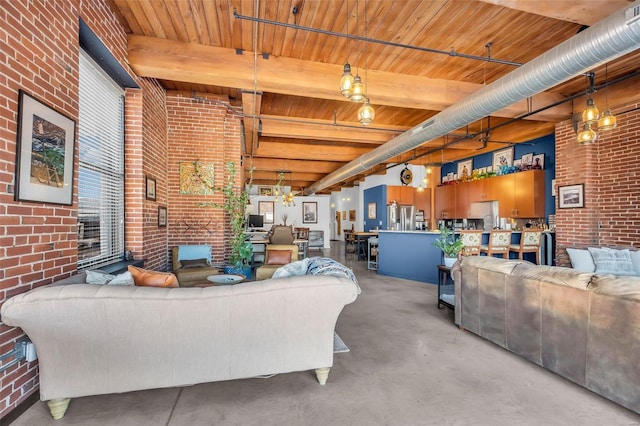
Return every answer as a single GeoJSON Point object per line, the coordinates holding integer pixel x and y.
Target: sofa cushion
{"type": "Point", "coordinates": [612, 261]}
{"type": "Point", "coordinates": [628, 287]}
{"type": "Point", "coordinates": [194, 263]}
{"type": "Point", "coordinates": [144, 277]}
{"type": "Point", "coordinates": [581, 260]}
{"type": "Point", "coordinates": [278, 257]}
{"type": "Point", "coordinates": [635, 259]}
{"type": "Point", "coordinates": [554, 275]}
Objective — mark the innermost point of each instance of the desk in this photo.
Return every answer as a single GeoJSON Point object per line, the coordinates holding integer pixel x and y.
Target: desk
{"type": "Point", "coordinates": [302, 244]}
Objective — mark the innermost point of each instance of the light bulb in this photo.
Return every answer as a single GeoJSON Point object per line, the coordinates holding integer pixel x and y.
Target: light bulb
{"type": "Point", "coordinates": [346, 81]}
{"type": "Point", "coordinates": [357, 92]}
{"type": "Point", "coordinates": [366, 113]}
{"type": "Point", "coordinates": [591, 113]}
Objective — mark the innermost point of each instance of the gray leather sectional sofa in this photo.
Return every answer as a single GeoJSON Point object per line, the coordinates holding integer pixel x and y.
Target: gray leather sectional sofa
{"type": "Point", "coordinates": [582, 326]}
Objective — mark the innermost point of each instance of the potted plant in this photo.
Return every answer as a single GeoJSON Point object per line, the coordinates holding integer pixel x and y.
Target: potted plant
{"type": "Point", "coordinates": [449, 244]}
{"type": "Point", "coordinates": [235, 205]}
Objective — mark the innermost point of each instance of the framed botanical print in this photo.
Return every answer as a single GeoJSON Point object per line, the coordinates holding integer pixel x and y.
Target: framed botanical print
{"type": "Point", "coordinates": [151, 188]}
{"type": "Point", "coordinates": [44, 151]}
{"type": "Point", "coordinates": [162, 217]}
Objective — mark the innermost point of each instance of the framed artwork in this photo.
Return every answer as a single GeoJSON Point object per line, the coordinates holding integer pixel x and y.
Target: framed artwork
{"type": "Point", "coordinates": [527, 160]}
{"type": "Point", "coordinates": [465, 168]}
{"type": "Point", "coordinates": [151, 188]}
{"type": "Point", "coordinates": [44, 153]}
{"type": "Point", "coordinates": [309, 212]}
{"type": "Point", "coordinates": [265, 208]}
{"type": "Point", "coordinates": [371, 211]}
{"type": "Point", "coordinates": [196, 178]}
{"type": "Point", "coordinates": [538, 162]}
{"type": "Point", "coordinates": [162, 217]}
{"type": "Point", "coordinates": [344, 215]}
{"type": "Point", "coordinates": [352, 215]}
{"type": "Point", "coordinates": [571, 196]}
{"type": "Point", "coordinates": [504, 157]}
{"type": "Point", "coordinates": [265, 190]}
{"type": "Point", "coordinates": [553, 188]}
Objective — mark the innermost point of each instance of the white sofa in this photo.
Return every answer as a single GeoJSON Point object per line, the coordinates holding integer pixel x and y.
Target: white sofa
{"type": "Point", "coordinates": [99, 339]}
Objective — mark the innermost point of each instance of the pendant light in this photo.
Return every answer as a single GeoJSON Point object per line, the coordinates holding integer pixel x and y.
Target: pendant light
{"type": "Point", "coordinates": [587, 136]}
{"type": "Point", "coordinates": [608, 121]}
{"type": "Point", "coordinates": [346, 82]}
{"type": "Point", "coordinates": [366, 113]}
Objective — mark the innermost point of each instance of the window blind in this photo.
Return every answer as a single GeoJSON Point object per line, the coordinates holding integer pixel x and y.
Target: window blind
{"type": "Point", "coordinates": [101, 170]}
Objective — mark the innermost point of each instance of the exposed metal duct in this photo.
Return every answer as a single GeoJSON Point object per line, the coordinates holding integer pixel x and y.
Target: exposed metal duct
{"type": "Point", "coordinates": [610, 38]}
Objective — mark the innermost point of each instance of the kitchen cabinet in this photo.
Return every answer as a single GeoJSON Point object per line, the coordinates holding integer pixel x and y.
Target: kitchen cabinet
{"type": "Point", "coordinates": [445, 200]}
{"type": "Point", "coordinates": [403, 195]}
{"type": "Point", "coordinates": [422, 201]}
{"type": "Point", "coordinates": [519, 195]}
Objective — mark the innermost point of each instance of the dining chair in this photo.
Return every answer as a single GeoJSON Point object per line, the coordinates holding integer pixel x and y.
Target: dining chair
{"type": "Point", "coordinates": [472, 240]}
{"type": "Point", "coordinates": [499, 243]}
{"type": "Point", "coordinates": [350, 243]}
{"type": "Point", "coordinates": [529, 243]}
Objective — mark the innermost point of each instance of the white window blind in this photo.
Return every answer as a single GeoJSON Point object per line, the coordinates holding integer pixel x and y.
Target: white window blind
{"type": "Point", "coordinates": [101, 171]}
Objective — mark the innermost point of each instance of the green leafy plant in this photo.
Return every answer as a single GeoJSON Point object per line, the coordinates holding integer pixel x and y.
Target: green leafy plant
{"type": "Point", "coordinates": [448, 243]}
{"type": "Point", "coordinates": [235, 205]}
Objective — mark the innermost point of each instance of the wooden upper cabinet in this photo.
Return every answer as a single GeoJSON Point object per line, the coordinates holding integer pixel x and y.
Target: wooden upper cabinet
{"type": "Point", "coordinates": [400, 194]}
{"type": "Point", "coordinates": [422, 201]}
{"type": "Point", "coordinates": [518, 195]}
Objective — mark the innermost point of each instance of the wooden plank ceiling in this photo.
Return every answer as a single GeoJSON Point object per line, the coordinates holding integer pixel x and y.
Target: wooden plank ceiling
{"type": "Point", "coordinates": [285, 79]}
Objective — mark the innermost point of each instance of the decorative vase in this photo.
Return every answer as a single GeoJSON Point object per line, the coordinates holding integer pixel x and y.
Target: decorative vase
{"type": "Point", "coordinates": [449, 261]}
{"type": "Point", "coordinates": [244, 270]}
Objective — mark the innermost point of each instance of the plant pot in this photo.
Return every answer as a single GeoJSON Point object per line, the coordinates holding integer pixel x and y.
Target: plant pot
{"type": "Point", "coordinates": [449, 261]}
{"type": "Point", "coordinates": [244, 270]}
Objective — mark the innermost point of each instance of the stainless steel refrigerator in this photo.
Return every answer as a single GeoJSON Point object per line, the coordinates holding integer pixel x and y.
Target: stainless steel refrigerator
{"type": "Point", "coordinates": [401, 217]}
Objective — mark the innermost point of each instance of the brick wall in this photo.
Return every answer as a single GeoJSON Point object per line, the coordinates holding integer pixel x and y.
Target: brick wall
{"type": "Point", "coordinates": [611, 177]}
{"type": "Point", "coordinates": [200, 128]}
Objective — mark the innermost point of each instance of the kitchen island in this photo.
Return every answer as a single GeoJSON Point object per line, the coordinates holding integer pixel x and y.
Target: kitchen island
{"type": "Point", "coordinates": [412, 255]}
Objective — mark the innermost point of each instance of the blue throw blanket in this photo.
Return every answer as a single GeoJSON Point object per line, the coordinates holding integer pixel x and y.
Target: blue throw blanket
{"type": "Point", "coordinates": [316, 266]}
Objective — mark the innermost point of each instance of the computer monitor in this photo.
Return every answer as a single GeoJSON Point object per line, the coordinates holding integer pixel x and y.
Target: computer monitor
{"type": "Point", "coordinates": [256, 221]}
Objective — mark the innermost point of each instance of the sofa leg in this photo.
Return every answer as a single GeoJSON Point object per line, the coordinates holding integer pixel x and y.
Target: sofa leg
{"type": "Point", "coordinates": [57, 407]}
{"type": "Point", "coordinates": [322, 374]}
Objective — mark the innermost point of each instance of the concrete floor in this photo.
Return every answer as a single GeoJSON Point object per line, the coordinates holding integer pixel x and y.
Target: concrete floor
{"type": "Point", "coordinates": [408, 365]}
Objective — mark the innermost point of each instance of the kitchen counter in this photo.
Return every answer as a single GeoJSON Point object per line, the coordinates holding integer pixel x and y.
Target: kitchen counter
{"type": "Point", "coordinates": [412, 255]}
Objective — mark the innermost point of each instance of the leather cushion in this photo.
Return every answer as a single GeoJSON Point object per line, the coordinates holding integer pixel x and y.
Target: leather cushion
{"type": "Point", "coordinates": [194, 263]}
{"type": "Point", "coordinates": [278, 257]}
{"type": "Point", "coordinates": [144, 277]}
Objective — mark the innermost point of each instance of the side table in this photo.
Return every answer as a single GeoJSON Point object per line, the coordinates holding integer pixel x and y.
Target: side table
{"type": "Point", "coordinates": [446, 291]}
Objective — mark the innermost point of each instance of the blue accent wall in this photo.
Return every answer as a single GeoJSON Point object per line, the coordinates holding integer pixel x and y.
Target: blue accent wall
{"type": "Point", "coordinates": [378, 195]}
{"type": "Point", "coordinates": [545, 145]}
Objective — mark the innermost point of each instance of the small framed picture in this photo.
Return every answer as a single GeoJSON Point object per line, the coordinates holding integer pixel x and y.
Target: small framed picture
{"type": "Point", "coordinates": [465, 168]}
{"type": "Point", "coordinates": [538, 162]}
{"type": "Point", "coordinates": [151, 188]}
{"type": "Point", "coordinates": [265, 208]}
{"type": "Point", "coordinates": [571, 196]}
{"type": "Point", "coordinates": [371, 211]}
{"type": "Point", "coordinates": [527, 160]}
{"type": "Point", "coordinates": [344, 215]}
{"type": "Point", "coordinates": [504, 157]}
{"type": "Point", "coordinates": [162, 217]}
{"type": "Point", "coordinates": [352, 215]}
{"type": "Point", "coordinates": [310, 212]}
{"type": "Point", "coordinates": [44, 151]}
{"type": "Point", "coordinates": [265, 190]}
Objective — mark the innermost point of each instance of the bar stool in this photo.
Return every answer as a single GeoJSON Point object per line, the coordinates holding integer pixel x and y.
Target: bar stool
{"type": "Point", "coordinates": [472, 240]}
{"type": "Point", "coordinates": [499, 243]}
{"type": "Point", "coordinates": [529, 243]}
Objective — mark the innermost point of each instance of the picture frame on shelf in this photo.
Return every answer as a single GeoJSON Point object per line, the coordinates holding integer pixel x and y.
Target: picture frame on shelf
{"type": "Point", "coordinates": [571, 196]}
{"type": "Point", "coordinates": [527, 160]}
{"type": "Point", "coordinates": [465, 168]}
{"type": "Point", "coordinates": [162, 217]}
{"type": "Point", "coordinates": [309, 212]}
{"type": "Point", "coordinates": [44, 153]}
{"type": "Point", "coordinates": [538, 162]}
{"type": "Point", "coordinates": [150, 186]}
{"type": "Point", "coordinates": [503, 157]}
{"type": "Point", "coordinates": [371, 211]}
{"type": "Point", "coordinates": [265, 208]}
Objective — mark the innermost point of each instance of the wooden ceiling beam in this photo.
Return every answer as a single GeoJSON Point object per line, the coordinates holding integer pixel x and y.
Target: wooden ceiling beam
{"type": "Point", "coordinates": [580, 12]}
{"type": "Point", "coordinates": [251, 102]}
{"type": "Point", "coordinates": [268, 164]}
{"type": "Point", "coordinates": [291, 127]}
{"type": "Point", "coordinates": [305, 152]}
{"type": "Point", "coordinates": [194, 63]}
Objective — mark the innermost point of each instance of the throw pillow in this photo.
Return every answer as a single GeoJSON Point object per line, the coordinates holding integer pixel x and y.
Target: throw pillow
{"type": "Point", "coordinates": [124, 278]}
{"type": "Point", "coordinates": [581, 260]}
{"type": "Point", "coordinates": [144, 277]}
{"type": "Point", "coordinates": [611, 261]}
{"type": "Point", "coordinates": [635, 259]}
{"type": "Point", "coordinates": [278, 257]}
{"type": "Point", "coordinates": [98, 277]}
{"type": "Point", "coordinates": [194, 263]}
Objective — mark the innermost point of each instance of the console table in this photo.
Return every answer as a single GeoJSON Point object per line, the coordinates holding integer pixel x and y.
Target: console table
{"type": "Point", "coordinates": [446, 292]}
